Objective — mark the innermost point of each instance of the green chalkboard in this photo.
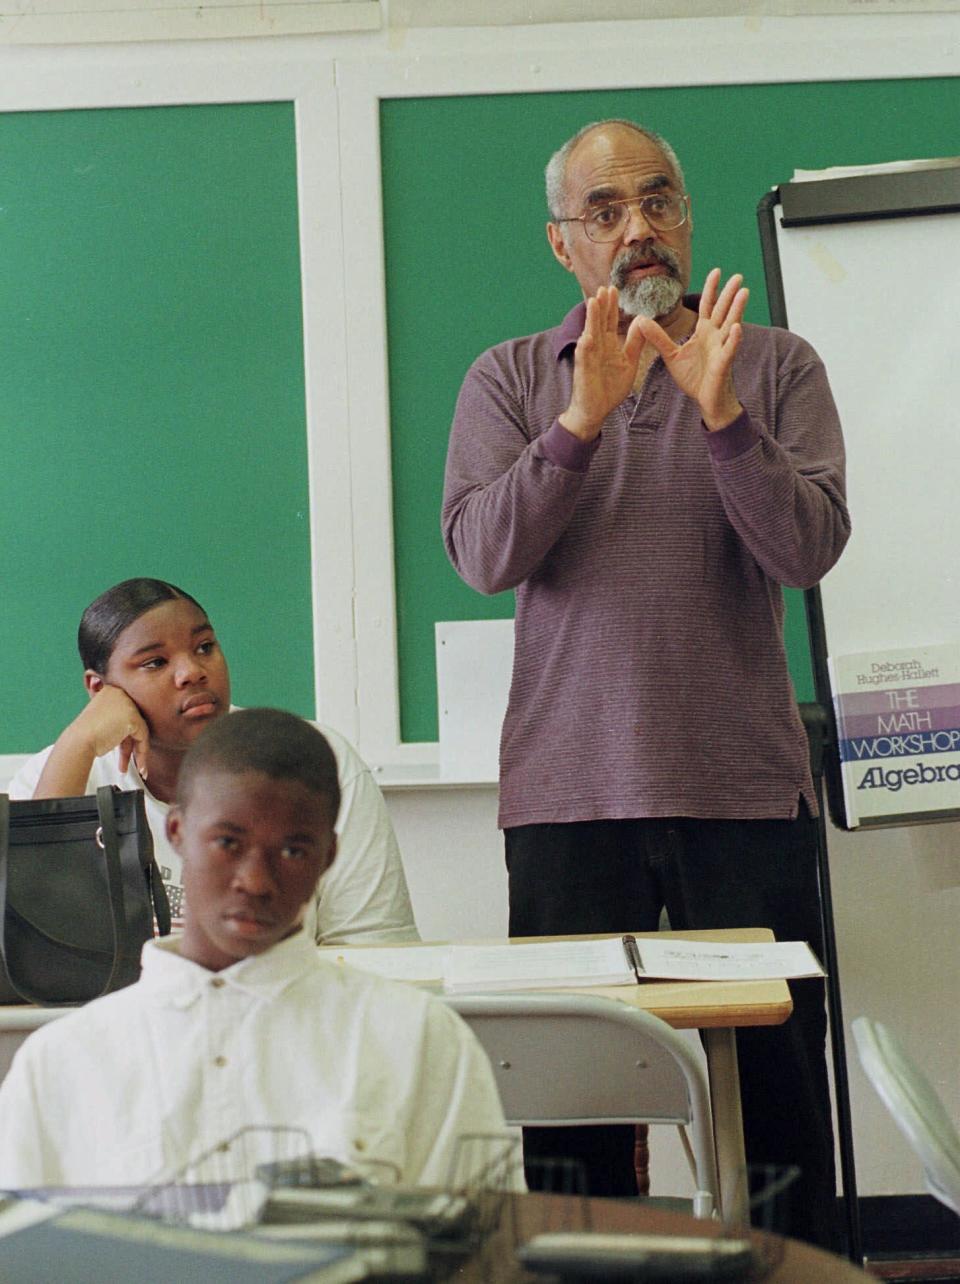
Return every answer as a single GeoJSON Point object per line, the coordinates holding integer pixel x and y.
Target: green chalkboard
{"type": "Point", "coordinates": [151, 390]}
{"type": "Point", "coordinates": [468, 265]}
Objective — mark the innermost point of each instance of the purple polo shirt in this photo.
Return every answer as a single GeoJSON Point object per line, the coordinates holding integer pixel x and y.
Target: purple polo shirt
{"type": "Point", "coordinates": [650, 677]}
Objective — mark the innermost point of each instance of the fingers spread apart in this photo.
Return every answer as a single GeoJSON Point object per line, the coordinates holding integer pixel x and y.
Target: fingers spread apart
{"type": "Point", "coordinates": [727, 310]}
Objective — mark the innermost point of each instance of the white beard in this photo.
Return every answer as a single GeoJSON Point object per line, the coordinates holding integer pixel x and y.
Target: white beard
{"type": "Point", "coordinates": [651, 296]}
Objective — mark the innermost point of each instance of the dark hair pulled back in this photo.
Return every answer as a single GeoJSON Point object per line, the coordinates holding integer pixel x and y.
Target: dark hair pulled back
{"type": "Point", "coordinates": [108, 615]}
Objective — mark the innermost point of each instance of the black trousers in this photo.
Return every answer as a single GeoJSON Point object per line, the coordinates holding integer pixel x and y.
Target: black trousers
{"type": "Point", "coordinates": [615, 876]}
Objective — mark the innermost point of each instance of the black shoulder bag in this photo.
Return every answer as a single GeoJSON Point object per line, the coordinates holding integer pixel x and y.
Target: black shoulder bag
{"type": "Point", "coordinates": [79, 892]}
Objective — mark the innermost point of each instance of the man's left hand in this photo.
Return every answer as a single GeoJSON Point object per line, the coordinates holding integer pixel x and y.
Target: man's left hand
{"type": "Point", "coordinates": [703, 366]}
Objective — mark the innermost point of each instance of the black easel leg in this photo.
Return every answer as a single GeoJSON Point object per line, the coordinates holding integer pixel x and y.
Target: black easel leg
{"type": "Point", "coordinates": [834, 1006]}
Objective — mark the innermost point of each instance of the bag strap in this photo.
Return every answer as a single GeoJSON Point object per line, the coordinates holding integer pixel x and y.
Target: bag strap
{"type": "Point", "coordinates": [156, 892]}
{"type": "Point", "coordinates": [158, 895]}
{"type": "Point", "coordinates": [110, 845]}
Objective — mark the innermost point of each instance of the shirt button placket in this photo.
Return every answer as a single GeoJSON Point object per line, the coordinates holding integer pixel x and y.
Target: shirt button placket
{"type": "Point", "coordinates": [221, 1107]}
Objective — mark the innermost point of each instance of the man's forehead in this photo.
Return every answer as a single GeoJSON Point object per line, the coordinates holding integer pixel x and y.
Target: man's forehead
{"type": "Point", "coordinates": [619, 158]}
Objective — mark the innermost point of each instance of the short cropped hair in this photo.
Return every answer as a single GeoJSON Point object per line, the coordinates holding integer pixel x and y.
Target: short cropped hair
{"type": "Point", "coordinates": [556, 173]}
{"type": "Point", "coordinates": [108, 615]}
{"type": "Point", "coordinates": [272, 741]}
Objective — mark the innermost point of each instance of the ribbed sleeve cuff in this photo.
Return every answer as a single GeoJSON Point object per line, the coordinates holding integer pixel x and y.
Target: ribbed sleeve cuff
{"type": "Point", "coordinates": [736, 439]}
{"type": "Point", "coordinates": [566, 451]}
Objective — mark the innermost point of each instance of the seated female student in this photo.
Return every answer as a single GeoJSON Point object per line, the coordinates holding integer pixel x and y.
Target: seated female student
{"type": "Point", "coordinates": [155, 677]}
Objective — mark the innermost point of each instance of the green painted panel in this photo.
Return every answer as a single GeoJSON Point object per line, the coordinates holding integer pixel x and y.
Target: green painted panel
{"type": "Point", "coordinates": [151, 390]}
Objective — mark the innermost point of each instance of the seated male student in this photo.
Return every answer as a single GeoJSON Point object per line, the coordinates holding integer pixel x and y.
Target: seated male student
{"type": "Point", "coordinates": [238, 1020]}
{"type": "Point", "coordinates": [155, 677]}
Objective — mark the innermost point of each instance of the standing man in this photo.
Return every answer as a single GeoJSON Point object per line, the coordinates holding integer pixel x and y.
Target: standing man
{"type": "Point", "coordinates": [646, 476]}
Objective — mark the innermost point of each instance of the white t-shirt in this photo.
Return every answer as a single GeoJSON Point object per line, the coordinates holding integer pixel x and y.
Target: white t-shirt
{"type": "Point", "coordinates": [362, 897]}
{"type": "Point", "coordinates": [134, 1086]}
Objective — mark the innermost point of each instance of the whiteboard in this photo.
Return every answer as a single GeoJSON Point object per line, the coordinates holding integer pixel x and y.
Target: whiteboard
{"type": "Point", "coordinates": [870, 277]}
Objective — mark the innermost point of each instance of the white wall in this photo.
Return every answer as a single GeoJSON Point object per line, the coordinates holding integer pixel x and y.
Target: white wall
{"type": "Point", "coordinates": [890, 887]}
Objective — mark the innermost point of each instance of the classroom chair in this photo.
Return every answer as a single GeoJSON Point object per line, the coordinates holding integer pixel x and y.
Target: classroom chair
{"type": "Point", "coordinates": [567, 1059]}
{"type": "Point", "coordinates": [916, 1108]}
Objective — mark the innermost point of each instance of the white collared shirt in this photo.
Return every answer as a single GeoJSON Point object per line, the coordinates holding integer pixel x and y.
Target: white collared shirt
{"type": "Point", "coordinates": [133, 1086]}
{"type": "Point", "coordinates": [363, 897]}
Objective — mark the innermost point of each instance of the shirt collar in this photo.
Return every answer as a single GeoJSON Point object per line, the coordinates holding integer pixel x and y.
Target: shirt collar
{"type": "Point", "coordinates": [174, 981]}
{"type": "Point", "coordinates": [569, 330]}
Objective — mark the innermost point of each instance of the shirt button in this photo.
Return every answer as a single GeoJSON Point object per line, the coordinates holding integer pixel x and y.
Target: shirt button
{"type": "Point", "coordinates": [219, 1061]}
{"type": "Point", "coordinates": [359, 1144]}
{"type": "Point", "coordinates": [218, 983]}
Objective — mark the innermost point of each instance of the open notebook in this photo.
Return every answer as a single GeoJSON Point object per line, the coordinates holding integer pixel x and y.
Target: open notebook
{"type": "Point", "coordinates": [624, 960]}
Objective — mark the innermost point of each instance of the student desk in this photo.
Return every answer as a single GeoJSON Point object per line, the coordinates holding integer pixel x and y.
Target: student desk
{"type": "Point", "coordinates": [715, 1008]}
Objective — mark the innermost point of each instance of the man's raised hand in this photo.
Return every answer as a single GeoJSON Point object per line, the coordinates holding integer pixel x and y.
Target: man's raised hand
{"type": "Point", "coordinates": [604, 367]}
{"type": "Point", "coordinates": [703, 366]}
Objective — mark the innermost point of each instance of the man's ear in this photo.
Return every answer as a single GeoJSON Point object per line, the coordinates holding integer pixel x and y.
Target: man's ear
{"type": "Point", "coordinates": [558, 245]}
{"type": "Point", "coordinates": [93, 681]}
{"type": "Point", "coordinates": [174, 826]}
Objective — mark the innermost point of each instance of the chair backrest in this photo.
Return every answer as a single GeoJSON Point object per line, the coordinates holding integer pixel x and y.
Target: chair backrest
{"type": "Point", "coordinates": [915, 1105]}
{"type": "Point", "coordinates": [565, 1059]}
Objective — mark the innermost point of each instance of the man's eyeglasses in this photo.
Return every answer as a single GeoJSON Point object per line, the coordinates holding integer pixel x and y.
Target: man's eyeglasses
{"type": "Point", "coordinates": [663, 211]}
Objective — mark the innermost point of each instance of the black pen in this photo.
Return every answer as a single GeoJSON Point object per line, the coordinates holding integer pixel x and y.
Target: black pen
{"type": "Point", "coordinates": [633, 955]}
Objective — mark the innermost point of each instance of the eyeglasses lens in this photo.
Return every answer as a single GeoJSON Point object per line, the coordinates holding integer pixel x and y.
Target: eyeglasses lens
{"type": "Point", "coordinates": [662, 213]}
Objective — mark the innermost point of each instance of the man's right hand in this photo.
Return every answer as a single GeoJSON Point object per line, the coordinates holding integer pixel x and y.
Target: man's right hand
{"type": "Point", "coordinates": [604, 367]}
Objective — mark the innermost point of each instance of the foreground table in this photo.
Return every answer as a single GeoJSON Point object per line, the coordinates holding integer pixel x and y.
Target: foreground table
{"type": "Point", "coordinates": [528, 1215]}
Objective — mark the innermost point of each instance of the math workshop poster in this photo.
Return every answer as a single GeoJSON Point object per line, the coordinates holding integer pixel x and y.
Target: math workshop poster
{"type": "Point", "coordinates": [898, 723]}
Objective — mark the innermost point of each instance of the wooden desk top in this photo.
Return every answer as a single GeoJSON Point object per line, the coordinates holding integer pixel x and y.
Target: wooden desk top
{"type": "Point", "coordinates": [686, 1005]}
{"type": "Point", "coordinates": [799, 1263]}
{"type": "Point", "coordinates": [704, 1005]}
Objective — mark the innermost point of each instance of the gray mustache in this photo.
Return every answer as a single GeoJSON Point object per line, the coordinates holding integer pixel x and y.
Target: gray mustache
{"type": "Point", "coordinates": [642, 256]}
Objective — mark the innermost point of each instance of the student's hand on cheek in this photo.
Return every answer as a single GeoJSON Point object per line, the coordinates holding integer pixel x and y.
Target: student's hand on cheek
{"type": "Point", "coordinates": [110, 719]}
